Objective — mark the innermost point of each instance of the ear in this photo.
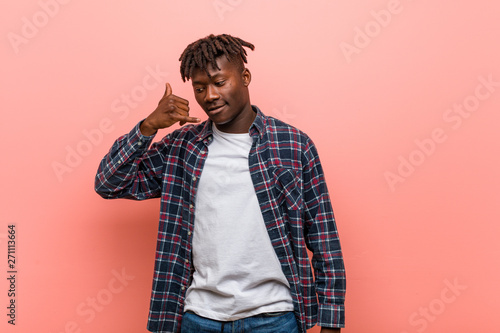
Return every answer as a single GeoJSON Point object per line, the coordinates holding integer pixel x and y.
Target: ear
{"type": "Point", "coordinates": [246, 76]}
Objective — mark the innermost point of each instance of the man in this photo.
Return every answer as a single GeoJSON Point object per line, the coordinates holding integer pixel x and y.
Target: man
{"type": "Point", "coordinates": [243, 196]}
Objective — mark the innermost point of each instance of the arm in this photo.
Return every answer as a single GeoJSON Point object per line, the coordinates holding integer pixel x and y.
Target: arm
{"type": "Point", "coordinates": [132, 171]}
{"type": "Point", "coordinates": [323, 241]}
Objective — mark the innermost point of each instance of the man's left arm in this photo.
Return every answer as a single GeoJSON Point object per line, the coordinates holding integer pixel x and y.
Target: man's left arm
{"type": "Point", "coordinates": [323, 241]}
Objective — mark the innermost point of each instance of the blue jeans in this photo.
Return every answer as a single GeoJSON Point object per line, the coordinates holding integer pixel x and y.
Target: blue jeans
{"type": "Point", "coordinates": [265, 323]}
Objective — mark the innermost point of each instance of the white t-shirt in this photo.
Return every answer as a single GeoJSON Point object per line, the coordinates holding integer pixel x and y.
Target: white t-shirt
{"type": "Point", "coordinates": [237, 273]}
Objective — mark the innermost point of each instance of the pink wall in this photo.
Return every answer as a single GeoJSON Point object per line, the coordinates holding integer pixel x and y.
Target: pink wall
{"type": "Point", "coordinates": [401, 97]}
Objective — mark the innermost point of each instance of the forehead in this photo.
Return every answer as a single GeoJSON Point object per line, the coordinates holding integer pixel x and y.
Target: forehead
{"type": "Point", "coordinates": [226, 68]}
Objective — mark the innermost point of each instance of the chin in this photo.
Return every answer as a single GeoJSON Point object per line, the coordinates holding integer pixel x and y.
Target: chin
{"type": "Point", "coordinates": [220, 121]}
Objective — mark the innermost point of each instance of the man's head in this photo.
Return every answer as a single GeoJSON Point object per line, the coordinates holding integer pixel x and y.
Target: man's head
{"type": "Point", "coordinates": [204, 52]}
{"type": "Point", "coordinates": [215, 65]}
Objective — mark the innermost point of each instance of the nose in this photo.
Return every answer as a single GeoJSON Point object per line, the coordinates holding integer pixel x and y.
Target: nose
{"type": "Point", "coordinates": [212, 94]}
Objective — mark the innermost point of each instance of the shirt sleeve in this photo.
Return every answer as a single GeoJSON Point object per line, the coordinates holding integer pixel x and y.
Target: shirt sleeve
{"type": "Point", "coordinates": [131, 170]}
{"type": "Point", "coordinates": [323, 241]}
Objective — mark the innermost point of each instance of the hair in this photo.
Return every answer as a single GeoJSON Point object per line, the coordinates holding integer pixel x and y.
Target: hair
{"type": "Point", "coordinates": [205, 51]}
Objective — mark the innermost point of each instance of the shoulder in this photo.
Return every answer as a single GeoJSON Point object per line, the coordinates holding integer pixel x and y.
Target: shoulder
{"type": "Point", "coordinates": [282, 132]}
{"type": "Point", "coordinates": [288, 146]}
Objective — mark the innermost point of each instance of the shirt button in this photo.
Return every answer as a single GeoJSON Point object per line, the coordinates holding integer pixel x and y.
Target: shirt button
{"type": "Point", "coordinates": [191, 206]}
{"type": "Point", "coordinates": [139, 143]}
{"type": "Point", "coordinates": [183, 288]}
{"type": "Point", "coordinates": [186, 261]}
{"type": "Point", "coordinates": [194, 178]}
{"type": "Point", "coordinates": [189, 233]}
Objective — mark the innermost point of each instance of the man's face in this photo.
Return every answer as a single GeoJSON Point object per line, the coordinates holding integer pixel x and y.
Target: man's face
{"type": "Point", "coordinates": [223, 95]}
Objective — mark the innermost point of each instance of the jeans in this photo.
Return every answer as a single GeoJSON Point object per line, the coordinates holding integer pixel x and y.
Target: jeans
{"type": "Point", "coordinates": [266, 323]}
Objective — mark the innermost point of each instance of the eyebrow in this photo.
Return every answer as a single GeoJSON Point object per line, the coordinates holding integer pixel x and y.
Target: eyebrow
{"type": "Point", "coordinates": [211, 77]}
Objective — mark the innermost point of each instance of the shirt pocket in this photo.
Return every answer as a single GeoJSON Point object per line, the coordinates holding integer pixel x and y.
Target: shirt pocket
{"type": "Point", "coordinates": [287, 188]}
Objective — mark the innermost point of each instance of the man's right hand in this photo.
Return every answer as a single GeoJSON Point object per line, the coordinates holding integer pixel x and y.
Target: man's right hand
{"type": "Point", "coordinates": [171, 109]}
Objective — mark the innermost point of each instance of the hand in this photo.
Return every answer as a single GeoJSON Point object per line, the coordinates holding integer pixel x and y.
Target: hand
{"type": "Point", "coordinates": [170, 109]}
{"type": "Point", "coordinates": [329, 330]}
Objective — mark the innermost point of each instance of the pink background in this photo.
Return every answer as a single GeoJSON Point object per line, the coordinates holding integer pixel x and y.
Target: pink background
{"type": "Point", "coordinates": [378, 85]}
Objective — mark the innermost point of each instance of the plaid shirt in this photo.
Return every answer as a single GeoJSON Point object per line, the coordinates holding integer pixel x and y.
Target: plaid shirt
{"type": "Point", "coordinates": [292, 194]}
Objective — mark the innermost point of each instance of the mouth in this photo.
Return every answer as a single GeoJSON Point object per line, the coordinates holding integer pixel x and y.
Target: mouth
{"type": "Point", "coordinates": [215, 108]}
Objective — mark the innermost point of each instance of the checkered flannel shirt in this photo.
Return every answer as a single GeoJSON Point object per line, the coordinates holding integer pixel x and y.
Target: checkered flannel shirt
{"type": "Point", "coordinates": [292, 194]}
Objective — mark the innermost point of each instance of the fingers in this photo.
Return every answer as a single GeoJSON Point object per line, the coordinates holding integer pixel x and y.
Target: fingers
{"type": "Point", "coordinates": [168, 90]}
{"type": "Point", "coordinates": [178, 102]}
{"type": "Point", "coordinates": [169, 100]}
{"type": "Point", "coordinates": [191, 120]}
{"type": "Point", "coordinates": [174, 108]}
{"type": "Point", "coordinates": [186, 119]}
{"type": "Point", "coordinates": [179, 112]}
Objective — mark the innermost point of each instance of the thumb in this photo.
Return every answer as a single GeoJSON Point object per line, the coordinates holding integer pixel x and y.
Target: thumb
{"type": "Point", "coordinates": [168, 90]}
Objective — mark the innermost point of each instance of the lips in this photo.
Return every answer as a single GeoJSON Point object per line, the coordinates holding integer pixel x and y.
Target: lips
{"type": "Point", "coordinates": [216, 108]}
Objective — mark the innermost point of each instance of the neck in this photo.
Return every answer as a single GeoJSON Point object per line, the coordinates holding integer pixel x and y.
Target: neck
{"type": "Point", "coordinates": [240, 124]}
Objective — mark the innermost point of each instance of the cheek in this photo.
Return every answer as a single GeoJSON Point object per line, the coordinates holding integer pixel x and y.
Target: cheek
{"type": "Point", "coordinates": [199, 98]}
{"type": "Point", "coordinates": [229, 92]}
{"type": "Point", "coordinates": [236, 95]}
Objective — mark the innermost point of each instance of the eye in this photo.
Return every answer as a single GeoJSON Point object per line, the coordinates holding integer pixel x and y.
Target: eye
{"type": "Point", "coordinates": [198, 90]}
{"type": "Point", "coordinates": [220, 83]}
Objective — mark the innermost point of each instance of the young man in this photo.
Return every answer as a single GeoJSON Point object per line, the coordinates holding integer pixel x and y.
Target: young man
{"type": "Point", "coordinates": [243, 196]}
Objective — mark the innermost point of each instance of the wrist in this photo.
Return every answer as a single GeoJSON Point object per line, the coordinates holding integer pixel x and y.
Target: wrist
{"type": "Point", "coordinates": [146, 128]}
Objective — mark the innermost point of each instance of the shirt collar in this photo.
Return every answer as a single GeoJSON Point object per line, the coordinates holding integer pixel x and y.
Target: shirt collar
{"type": "Point", "coordinates": [259, 123]}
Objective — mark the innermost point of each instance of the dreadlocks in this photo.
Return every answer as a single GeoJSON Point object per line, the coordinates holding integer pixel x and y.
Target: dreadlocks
{"type": "Point", "coordinates": [205, 51]}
